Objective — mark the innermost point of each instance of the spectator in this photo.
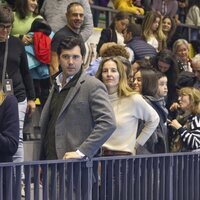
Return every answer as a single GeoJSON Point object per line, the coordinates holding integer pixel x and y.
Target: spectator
{"type": "Point", "coordinates": [9, 127]}
{"type": "Point", "coordinates": [140, 48]}
{"type": "Point", "coordinates": [152, 30]}
{"type": "Point", "coordinates": [165, 7]}
{"type": "Point", "coordinates": [187, 125]}
{"type": "Point", "coordinates": [182, 11]}
{"type": "Point", "coordinates": [17, 70]}
{"type": "Point", "coordinates": [108, 49]}
{"type": "Point", "coordinates": [196, 70]}
{"type": "Point", "coordinates": [165, 62]}
{"type": "Point", "coordinates": [128, 6]}
{"type": "Point", "coordinates": [193, 18]}
{"type": "Point", "coordinates": [39, 55]}
{"type": "Point", "coordinates": [9, 134]}
{"type": "Point", "coordinates": [181, 51]}
{"type": "Point", "coordinates": [146, 4]}
{"type": "Point", "coordinates": [24, 15]}
{"type": "Point", "coordinates": [154, 93]}
{"type": "Point", "coordinates": [115, 31]}
{"type": "Point", "coordinates": [129, 107]}
{"type": "Point", "coordinates": [168, 28]}
{"type": "Point", "coordinates": [72, 92]}
{"type": "Point", "coordinates": [55, 14]}
{"type": "Point", "coordinates": [75, 19]}
{"type": "Point", "coordinates": [193, 14]}
{"type": "Point", "coordinates": [96, 12]}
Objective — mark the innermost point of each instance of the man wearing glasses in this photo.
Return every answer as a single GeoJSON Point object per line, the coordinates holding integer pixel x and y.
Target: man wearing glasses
{"type": "Point", "coordinates": [17, 72]}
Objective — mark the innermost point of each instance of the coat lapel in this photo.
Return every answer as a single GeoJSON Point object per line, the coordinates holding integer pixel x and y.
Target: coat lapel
{"type": "Point", "coordinates": [71, 94]}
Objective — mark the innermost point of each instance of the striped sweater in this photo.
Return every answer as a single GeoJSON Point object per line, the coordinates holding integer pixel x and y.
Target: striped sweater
{"type": "Point", "coordinates": [191, 134]}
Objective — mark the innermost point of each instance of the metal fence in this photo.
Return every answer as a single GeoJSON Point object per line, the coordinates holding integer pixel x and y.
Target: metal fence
{"type": "Point", "coordinates": [152, 177]}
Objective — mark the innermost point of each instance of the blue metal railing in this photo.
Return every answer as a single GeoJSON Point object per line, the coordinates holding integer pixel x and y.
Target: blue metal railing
{"type": "Point", "coordinates": [145, 177]}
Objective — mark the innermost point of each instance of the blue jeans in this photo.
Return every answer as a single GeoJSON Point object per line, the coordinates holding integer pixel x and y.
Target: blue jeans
{"type": "Point", "coordinates": [19, 155]}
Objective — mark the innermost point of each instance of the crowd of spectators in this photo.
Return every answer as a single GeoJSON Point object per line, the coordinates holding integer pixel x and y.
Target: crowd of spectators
{"type": "Point", "coordinates": [147, 98]}
{"type": "Point", "coordinates": [149, 44]}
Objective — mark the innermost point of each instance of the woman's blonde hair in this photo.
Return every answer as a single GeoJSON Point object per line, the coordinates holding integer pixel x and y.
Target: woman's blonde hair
{"type": "Point", "coordinates": [194, 96]}
{"type": "Point", "coordinates": [178, 43]}
{"type": "Point", "coordinates": [123, 88]}
{"type": "Point", "coordinates": [149, 19]}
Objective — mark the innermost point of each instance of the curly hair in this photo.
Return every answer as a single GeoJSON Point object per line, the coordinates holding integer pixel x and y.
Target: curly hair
{"type": "Point", "coordinates": [116, 50]}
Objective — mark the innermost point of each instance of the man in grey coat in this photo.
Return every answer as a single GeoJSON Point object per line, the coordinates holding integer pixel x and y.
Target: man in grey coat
{"type": "Point", "coordinates": [77, 117]}
{"type": "Point", "coordinates": [54, 11]}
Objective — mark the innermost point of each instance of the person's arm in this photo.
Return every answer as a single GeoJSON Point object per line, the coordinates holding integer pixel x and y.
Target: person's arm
{"type": "Point", "coordinates": [87, 27]}
{"type": "Point", "coordinates": [145, 112]}
{"type": "Point", "coordinates": [9, 135]}
{"type": "Point", "coordinates": [190, 137]}
{"type": "Point", "coordinates": [196, 16]}
{"type": "Point", "coordinates": [54, 65]}
{"type": "Point", "coordinates": [28, 82]}
{"type": "Point", "coordinates": [105, 37]}
{"type": "Point", "coordinates": [104, 120]}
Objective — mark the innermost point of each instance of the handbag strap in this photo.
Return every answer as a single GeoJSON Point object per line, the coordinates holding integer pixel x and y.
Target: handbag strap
{"type": "Point", "coordinates": [5, 62]}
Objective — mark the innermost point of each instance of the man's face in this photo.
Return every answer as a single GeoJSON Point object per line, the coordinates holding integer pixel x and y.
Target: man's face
{"type": "Point", "coordinates": [4, 31]}
{"type": "Point", "coordinates": [127, 36]}
{"type": "Point", "coordinates": [75, 17]}
{"type": "Point", "coordinates": [196, 69]}
{"type": "Point", "coordinates": [70, 61]}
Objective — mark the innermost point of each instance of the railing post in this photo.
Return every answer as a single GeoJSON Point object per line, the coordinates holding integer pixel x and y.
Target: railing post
{"type": "Point", "coordinates": [89, 165]}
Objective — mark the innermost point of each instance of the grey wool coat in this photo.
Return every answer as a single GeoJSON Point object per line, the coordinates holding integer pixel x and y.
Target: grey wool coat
{"type": "Point", "coordinates": [86, 119]}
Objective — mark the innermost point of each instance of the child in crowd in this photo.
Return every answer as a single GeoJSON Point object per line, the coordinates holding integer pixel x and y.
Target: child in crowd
{"type": "Point", "coordinates": [154, 93]}
{"type": "Point", "coordinates": [152, 30]}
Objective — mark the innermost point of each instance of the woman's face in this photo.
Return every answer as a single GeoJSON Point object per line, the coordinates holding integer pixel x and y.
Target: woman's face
{"type": "Point", "coordinates": [137, 82]}
{"type": "Point", "coordinates": [163, 67]}
{"type": "Point", "coordinates": [4, 31]}
{"type": "Point", "coordinates": [155, 24]}
{"type": "Point", "coordinates": [110, 74]}
{"type": "Point", "coordinates": [182, 52]}
{"type": "Point", "coordinates": [166, 25]}
{"type": "Point", "coordinates": [121, 25]}
{"type": "Point", "coordinates": [32, 5]}
{"type": "Point", "coordinates": [184, 102]}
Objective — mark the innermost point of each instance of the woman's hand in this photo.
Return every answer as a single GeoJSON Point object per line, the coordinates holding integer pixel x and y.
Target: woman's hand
{"type": "Point", "coordinates": [27, 39]}
{"type": "Point", "coordinates": [174, 123]}
{"type": "Point", "coordinates": [174, 106]}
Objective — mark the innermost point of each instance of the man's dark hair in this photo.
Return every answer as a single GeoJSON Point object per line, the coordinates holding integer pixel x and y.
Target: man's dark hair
{"type": "Point", "coordinates": [72, 4]}
{"type": "Point", "coordinates": [135, 29]}
{"type": "Point", "coordinates": [68, 43]}
{"type": "Point", "coordinates": [6, 14]}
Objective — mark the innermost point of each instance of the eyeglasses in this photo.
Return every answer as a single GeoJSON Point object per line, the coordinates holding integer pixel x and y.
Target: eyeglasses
{"type": "Point", "coordinates": [5, 26]}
